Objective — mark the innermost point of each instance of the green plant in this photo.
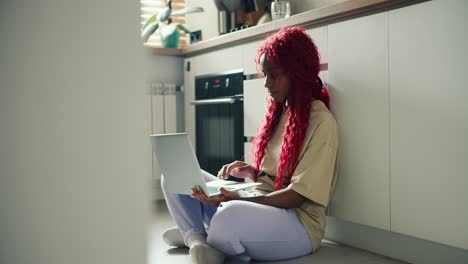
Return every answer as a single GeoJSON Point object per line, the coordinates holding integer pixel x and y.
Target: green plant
{"type": "Point", "coordinates": [167, 30]}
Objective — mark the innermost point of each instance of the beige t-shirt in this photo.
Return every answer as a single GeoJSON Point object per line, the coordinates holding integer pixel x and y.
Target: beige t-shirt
{"type": "Point", "coordinates": [315, 175]}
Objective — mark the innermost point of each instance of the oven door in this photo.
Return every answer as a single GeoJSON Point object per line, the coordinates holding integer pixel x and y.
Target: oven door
{"type": "Point", "coordinates": [219, 132]}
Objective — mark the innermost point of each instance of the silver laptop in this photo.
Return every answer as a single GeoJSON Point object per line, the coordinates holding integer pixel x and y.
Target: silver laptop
{"type": "Point", "coordinates": [181, 169]}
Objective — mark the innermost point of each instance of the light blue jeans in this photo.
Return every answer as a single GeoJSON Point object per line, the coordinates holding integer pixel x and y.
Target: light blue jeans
{"type": "Point", "coordinates": [262, 232]}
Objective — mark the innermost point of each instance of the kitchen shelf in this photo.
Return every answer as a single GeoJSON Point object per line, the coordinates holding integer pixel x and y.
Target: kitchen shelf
{"type": "Point", "coordinates": [318, 16]}
{"type": "Point", "coordinates": [165, 51]}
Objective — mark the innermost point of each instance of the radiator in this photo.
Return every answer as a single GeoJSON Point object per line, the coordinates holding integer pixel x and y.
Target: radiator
{"type": "Point", "coordinates": [167, 116]}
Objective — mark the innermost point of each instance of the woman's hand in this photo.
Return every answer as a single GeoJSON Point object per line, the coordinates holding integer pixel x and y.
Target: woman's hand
{"type": "Point", "coordinates": [226, 195]}
{"type": "Point", "coordinates": [238, 169]}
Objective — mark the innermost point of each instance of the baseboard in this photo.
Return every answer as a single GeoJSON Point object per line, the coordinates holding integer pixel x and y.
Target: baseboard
{"type": "Point", "coordinates": [394, 245]}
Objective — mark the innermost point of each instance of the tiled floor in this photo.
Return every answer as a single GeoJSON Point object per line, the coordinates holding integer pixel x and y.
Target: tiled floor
{"type": "Point", "coordinates": [329, 252]}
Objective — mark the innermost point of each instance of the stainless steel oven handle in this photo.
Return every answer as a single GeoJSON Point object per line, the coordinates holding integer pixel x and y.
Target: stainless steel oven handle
{"type": "Point", "coordinates": [217, 101]}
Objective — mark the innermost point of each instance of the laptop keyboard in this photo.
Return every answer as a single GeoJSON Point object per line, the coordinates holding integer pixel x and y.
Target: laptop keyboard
{"type": "Point", "coordinates": [212, 189]}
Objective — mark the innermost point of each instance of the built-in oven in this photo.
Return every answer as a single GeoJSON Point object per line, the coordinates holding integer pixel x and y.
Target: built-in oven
{"type": "Point", "coordinates": [219, 123]}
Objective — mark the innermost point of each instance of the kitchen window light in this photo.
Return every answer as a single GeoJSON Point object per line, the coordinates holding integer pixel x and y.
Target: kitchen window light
{"type": "Point", "coordinates": [151, 7]}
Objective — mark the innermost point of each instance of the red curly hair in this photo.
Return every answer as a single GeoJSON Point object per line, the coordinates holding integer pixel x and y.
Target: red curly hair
{"type": "Point", "coordinates": [294, 51]}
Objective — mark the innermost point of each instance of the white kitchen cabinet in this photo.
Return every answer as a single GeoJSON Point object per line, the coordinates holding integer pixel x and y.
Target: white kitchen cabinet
{"type": "Point", "coordinates": [248, 154]}
{"type": "Point", "coordinates": [320, 37]}
{"type": "Point", "coordinates": [217, 61]}
{"type": "Point", "coordinates": [358, 82]}
{"type": "Point", "coordinates": [255, 103]}
{"type": "Point", "coordinates": [429, 121]}
{"type": "Point", "coordinates": [248, 55]}
{"type": "Point", "coordinates": [213, 62]}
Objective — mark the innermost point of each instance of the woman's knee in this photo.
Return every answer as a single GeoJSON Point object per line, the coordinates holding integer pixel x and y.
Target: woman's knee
{"type": "Point", "coordinates": [225, 222]}
{"type": "Point", "coordinates": [224, 228]}
{"type": "Point", "coordinates": [228, 213]}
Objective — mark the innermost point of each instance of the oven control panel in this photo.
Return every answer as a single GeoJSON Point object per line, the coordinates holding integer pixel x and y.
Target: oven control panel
{"type": "Point", "coordinates": [219, 85]}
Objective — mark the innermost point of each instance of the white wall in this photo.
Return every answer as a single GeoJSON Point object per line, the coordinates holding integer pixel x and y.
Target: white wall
{"type": "Point", "coordinates": [74, 157]}
{"type": "Point", "coordinates": [300, 6]}
{"type": "Point", "coordinates": [163, 68]}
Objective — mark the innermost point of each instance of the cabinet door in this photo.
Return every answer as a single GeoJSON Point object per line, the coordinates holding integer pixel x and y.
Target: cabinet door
{"type": "Point", "coordinates": [429, 121]}
{"type": "Point", "coordinates": [217, 61]}
{"type": "Point", "coordinates": [320, 38]}
{"type": "Point", "coordinates": [358, 82]}
{"type": "Point", "coordinates": [248, 156]}
{"type": "Point", "coordinates": [255, 103]}
{"type": "Point", "coordinates": [248, 55]}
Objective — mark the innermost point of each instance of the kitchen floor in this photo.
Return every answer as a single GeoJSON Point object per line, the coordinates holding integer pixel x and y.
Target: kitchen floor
{"type": "Point", "coordinates": [328, 253]}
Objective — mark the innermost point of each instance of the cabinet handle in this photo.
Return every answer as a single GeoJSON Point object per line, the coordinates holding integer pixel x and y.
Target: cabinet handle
{"type": "Point", "coordinates": [217, 101]}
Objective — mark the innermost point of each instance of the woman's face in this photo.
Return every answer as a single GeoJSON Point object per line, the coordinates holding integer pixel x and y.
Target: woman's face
{"type": "Point", "coordinates": [276, 81]}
